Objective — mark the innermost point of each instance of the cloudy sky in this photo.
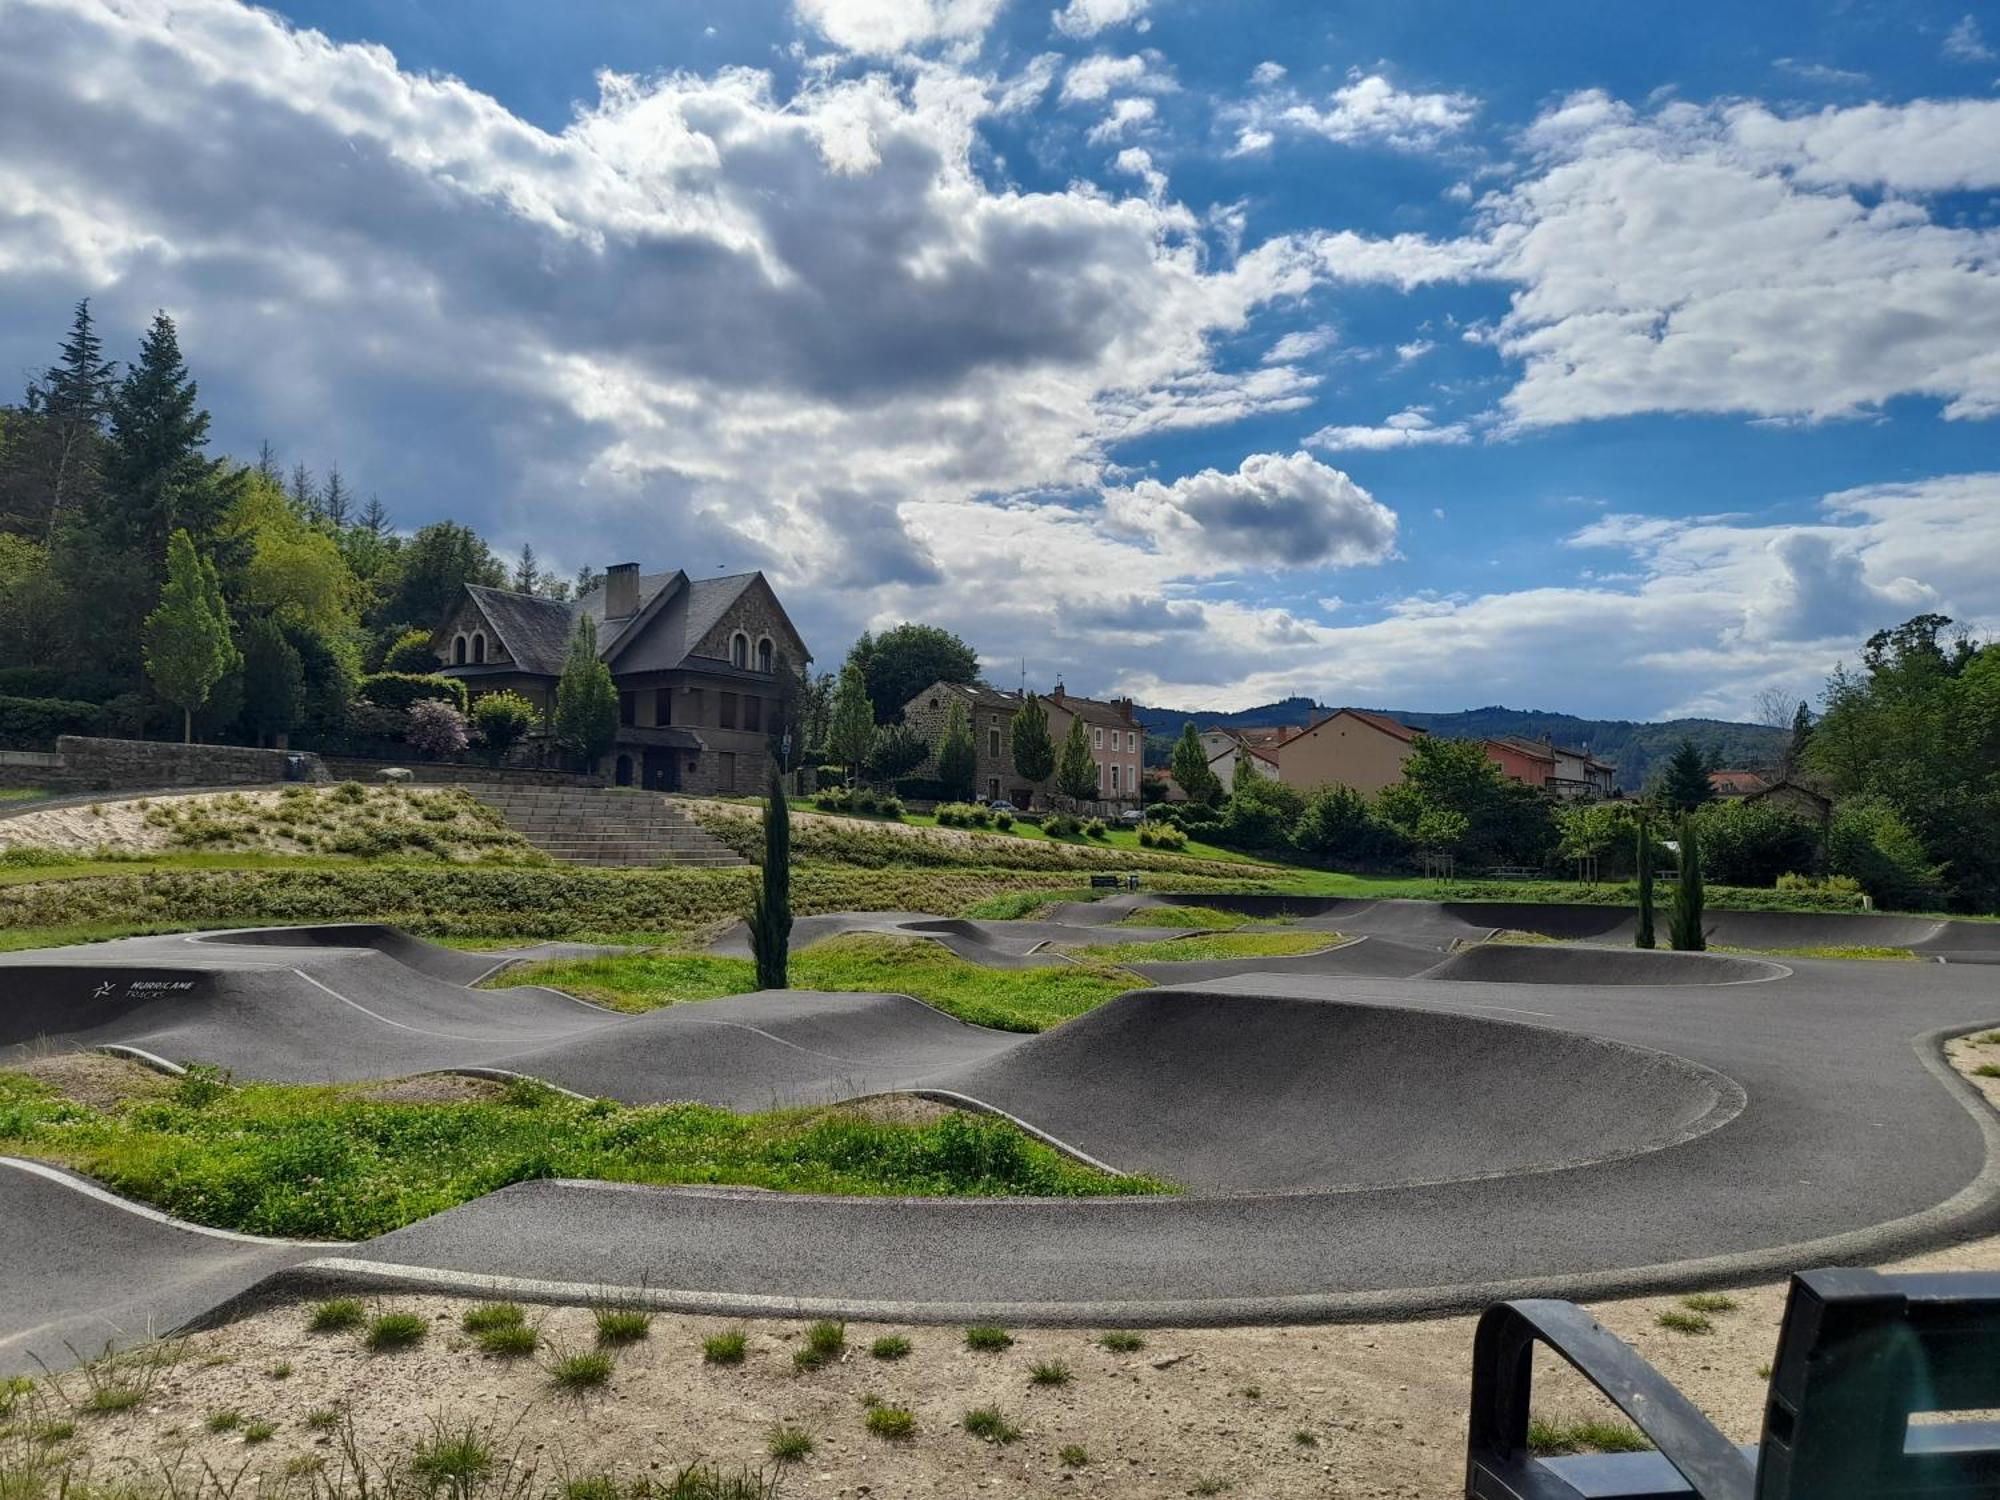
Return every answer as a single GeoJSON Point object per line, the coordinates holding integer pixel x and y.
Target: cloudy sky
{"type": "Point", "coordinates": [1622, 360]}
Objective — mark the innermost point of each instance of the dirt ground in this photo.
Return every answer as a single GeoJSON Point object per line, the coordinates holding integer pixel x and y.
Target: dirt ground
{"type": "Point", "coordinates": [1359, 1410]}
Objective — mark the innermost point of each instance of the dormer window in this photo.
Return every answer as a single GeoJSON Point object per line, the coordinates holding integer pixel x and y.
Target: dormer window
{"type": "Point", "coordinates": [739, 650]}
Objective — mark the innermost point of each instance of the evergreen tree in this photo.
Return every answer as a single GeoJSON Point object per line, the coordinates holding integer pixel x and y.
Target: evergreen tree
{"type": "Point", "coordinates": [430, 573]}
{"type": "Point", "coordinates": [1190, 768]}
{"type": "Point", "coordinates": [335, 499]}
{"type": "Point", "coordinates": [1244, 778]}
{"type": "Point", "coordinates": [1076, 772]}
{"type": "Point", "coordinates": [1643, 865]}
{"type": "Point", "coordinates": [527, 573]}
{"type": "Point", "coordinates": [771, 907]}
{"type": "Point", "coordinates": [586, 698]}
{"type": "Point", "coordinates": [274, 684]}
{"type": "Point", "coordinates": [850, 731]}
{"type": "Point", "coordinates": [375, 519]}
{"type": "Point", "coordinates": [157, 478]}
{"type": "Point", "coordinates": [957, 758]}
{"type": "Point", "coordinates": [1684, 928]}
{"type": "Point", "coordinates": [188, 649]}
{"type": "Point", "coordinates": [73, 399]}
{"type": "Point", "coordinates": [587, 578]}
{"type": "Point", "coordinates": [1794, 759]}
{"type": "Point", "coordinates": [267, 465]}
{"type": "Point", "coordinates": [1034, 750]}
{"type": "Point", "coordinates": [898, 750]}
{"type": "Point", "coordinates": [303, 493]}
{"type": "Point", "coordinates": [1684, 784]}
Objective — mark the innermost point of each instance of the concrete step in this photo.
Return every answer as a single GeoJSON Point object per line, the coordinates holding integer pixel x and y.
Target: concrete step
{"type": "Point", "coordinates": [607, 827]}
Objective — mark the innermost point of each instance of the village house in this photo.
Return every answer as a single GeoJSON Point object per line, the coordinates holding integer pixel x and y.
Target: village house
{"type": "Point", "coordinates": [1224, 762]}
{"type": "Point", "coordinates": [1351, 747]}
{"type": "Point", "coordinates": [701, 666]}
{"type": "Point", "coordinates": [1115, 738]}
{"type": "Point", "coordinates": [1736, 783]}
{"type": "Point", "coordinates": [1527, 761]}
{"type": "Point", "coordinates": [1542, 763]}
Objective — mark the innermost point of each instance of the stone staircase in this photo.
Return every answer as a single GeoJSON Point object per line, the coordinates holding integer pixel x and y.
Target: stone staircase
{"type": "Point", "coordinates": [605, 826]}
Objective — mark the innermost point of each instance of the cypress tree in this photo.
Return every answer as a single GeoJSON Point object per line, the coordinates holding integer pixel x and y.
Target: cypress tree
{"type": "Point", "coordinates": [188, 649]}
{"type": "Point", "coordinates": [1644, 937]}
{"type": "Point", "coordinates": [1684, 926]}
{"type": "Point", "coordinates": [586, 698]}
{"type": "Point", "coordinates": [1034, 750]}
{"type": "Point", "coordinates": [771, 907]}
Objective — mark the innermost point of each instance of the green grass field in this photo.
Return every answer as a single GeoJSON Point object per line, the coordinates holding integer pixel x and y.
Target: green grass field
{"type": "Point", "coordinates": [1008, 999]}
{"type": "Point", "coordinates": [1201, 947]}
{"type": "Point", "coordinates": [333, 1163]}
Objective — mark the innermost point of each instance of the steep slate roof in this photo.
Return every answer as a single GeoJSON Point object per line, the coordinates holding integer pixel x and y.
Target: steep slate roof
{"type": "Point", "coordinates": [535, 631]}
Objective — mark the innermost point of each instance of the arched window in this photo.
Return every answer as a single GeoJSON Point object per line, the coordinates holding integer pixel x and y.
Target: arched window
{"type": "Point", "coordinates": [479, 645]}
{"type": "Point", "coordinates": [458, 651]}
{"type": "Point", "coordinates": [764, 653]}
{"type": "Point", "coordinates": [739, 650]}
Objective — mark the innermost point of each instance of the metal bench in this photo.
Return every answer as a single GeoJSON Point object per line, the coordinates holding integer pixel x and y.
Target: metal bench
{"type": "Point", "coordinates": [1115, 882]}
{"type": "Point", "coordinates": [1870, 1370]}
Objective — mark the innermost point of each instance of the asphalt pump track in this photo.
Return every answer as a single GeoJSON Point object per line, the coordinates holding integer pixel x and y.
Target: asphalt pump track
{"type": "Point", "coordinates": [1395, 1124]}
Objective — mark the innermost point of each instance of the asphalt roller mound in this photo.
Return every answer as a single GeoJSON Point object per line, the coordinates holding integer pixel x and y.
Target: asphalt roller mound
{"type": "Point", "coordinates": [1529, 963]}
{"type": "Point", "coordinates": [1247, 1094]}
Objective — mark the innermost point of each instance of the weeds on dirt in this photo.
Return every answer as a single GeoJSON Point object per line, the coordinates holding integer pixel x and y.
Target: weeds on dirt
{"type": "Point", "coordinates": [1049, 1372]}
{"type": "Point", "coordinates": [896, 1423]}
{"type": "Point", "coordinates": [581, 1370]}
{"type": "Point", "coordinates": [1682, 1321]}
{"type": "Point", "coordinates": [395, 1330]}
{"type": "Point", "coordinates": [510, 1341]}
{"type": "Point", "coordinates": [622, 1325]}
{"type": "Point", "coordinates": [1548, 1439]}
{"type": "Point", "coordinates": [1073, 1456]}
{"type": "Point", "coordinates": [1122, 1341]}
{"type": "Point", "coordinates": [890, 1346]}
{"type": "Point", "coordinates": [483, 1317]}
{"type": "Point", "coordinates": [988, 1425]}
{"type": "Point", "coordinates": [335, 1315]}
{"type": "Point", "coordinates": [987, 1339]}
{"type": "Point", "coordinates": [788, 1444]}
{"type": "Point", "coordinates": [1709, 1302]}
{"type": "Point", "coordinates": [725, 1348]}
{"type": "Point", "coordinates": [825, 1342]}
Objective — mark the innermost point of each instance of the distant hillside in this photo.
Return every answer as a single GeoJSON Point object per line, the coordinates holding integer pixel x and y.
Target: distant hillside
{"type": "Point", "coordinates": [1632, 747]}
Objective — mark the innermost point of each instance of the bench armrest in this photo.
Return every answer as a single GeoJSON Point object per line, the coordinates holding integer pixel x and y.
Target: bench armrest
{"type": "Point", "coordinates": [1502, 1376]}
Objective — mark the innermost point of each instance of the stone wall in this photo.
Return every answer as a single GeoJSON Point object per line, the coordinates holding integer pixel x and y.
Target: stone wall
{"type": "Point", "coordinates": [99, 765]}
{"type": "Point", "coordinates": [357, 768]}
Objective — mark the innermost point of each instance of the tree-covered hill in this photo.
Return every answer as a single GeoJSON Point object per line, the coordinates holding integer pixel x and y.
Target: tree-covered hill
{"type": "Point", "coordinates": [1634, 747]}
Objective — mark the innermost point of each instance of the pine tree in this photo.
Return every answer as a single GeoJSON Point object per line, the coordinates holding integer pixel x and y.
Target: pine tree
{"type": "Point", "coordinates": [335, 499]}
{"type": "Point", "coordinates": [158, 480]}
{"type": "Point", "coordinates": [1190, 768]}
{"type": "Point", "coordinates": [527, 574]}
{"type": "Point", "coordinates": [1643, 863]}
{"type": "Point", "coordinates": [771, 907]}
{"type": "Point", "coordinates": [1076, 772]}
{"type": "Point", "coordinates": [267, 465]}
{"type": "Point", "coordinates": [1684, 930]}
{"type": "Point", "coordinates": [274, 684]}
{"type": "Point", "coordinates": [1794, 758]}
{"type": "Point", "coordinates": [586, 698]}
{"type": "Point", "coordinates": [188, 649]}
{"type": "Point", "coordinates": [374, 518]}
{"type": "Point", "coordinates": [303, 494]}
{"type": "Point", "coordinates": [957, 758]}
{"type": "Point", "coordinates": [587, 578]}
{"type": "Point", "coordinates": [74, 398]}
{"type": "Point", "coordinates": [850, 732]}
{"type": "Point", "coordinates": [1034, 751]}
{"type": "Point", "coordinates": [1684, 784]}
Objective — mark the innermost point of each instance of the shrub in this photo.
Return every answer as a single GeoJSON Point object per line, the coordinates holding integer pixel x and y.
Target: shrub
{"type": "Point", "coordinates": [500, 721]}
{"type": "Point", "coordinates": [435, 728]}
{"type": "Point", "coordinates": [1003, 820]}
{"type": "Point", "coordinates": [1870, 842]}
{"type": "Point", "coordinates": [1062, 825]}
{"type": "Point", "coordinates": [964, 815]}
{"type": "Point", "coordinates": [411, 655]}
{"type": "Point", "coordinates": [1153, 835]}
{"type": "Point", "coordinates": [1753, 843]}
{"type": "Point", "coordinates": [1096, 829]}
{"type": "Point", "coordinates": [34, 723]}
{"type": "Point", "coordinates": [1337, 823]}
{"type": "Point", "coordinates": [403, 689]}
{"type": "Point", "coordinates": [1261, 815]}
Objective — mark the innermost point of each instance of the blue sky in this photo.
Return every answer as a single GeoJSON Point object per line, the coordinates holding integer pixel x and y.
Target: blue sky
{"type": "Point", "coordinates": [1617, 360]}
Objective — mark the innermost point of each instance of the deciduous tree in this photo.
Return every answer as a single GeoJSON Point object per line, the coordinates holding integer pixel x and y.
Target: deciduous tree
{"type": "Point", "coordinates": [188, 647]}
{"type": "Point", "coordinates": [850, 733]}
{"type": "Point", "coordinates": [1076, 772]}
{"type": "Point", "coordinates": [1190, 767]}
{"type": "Point", "coordinates": [1034, 750]}
{"type": "Point", "coordinates": [902, 662]}
{"type": "Point", "coordinates": [586, 698]}
{"type": "Point", "coordinates": [957, 757]}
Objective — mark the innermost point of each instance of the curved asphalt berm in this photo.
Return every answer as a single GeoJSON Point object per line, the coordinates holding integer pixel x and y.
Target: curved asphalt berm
{"type": "Point", "coordinates": [1594, 1119]}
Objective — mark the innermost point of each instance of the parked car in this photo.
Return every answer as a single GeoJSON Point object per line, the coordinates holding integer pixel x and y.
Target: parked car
{"type": "Point", "coordinates": [1132, 817]}
{"type": "Point", "coordinates": [1001, 804]}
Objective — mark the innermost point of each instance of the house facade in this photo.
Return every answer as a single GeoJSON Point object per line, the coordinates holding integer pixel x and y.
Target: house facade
{"type": "Point", "coordinates": [1351, 747]}
{"type": "Point", "coordinates": [1541, 763]}
{"type": "Point", "coordinates": [1115, 738]}
{"type": "Point", "coordinates": [1224, 762]}
{"type": "Point", "coordinates": [1527, 761]}
{"type": "Point", "coordinates": [700, 666]}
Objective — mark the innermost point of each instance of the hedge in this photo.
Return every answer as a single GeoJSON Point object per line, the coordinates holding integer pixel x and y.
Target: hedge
{"type": "Point", "coordinates": [401, 689]}
{"type": "Point", "coordinates": [34, 723]}
{"type": "Point", "coordinates": [525, 900]}
{"type": "Point", "coordinates": [60, 682]}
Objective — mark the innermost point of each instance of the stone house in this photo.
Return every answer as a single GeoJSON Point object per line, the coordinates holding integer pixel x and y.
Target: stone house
{"type": "Point", "coordinates": [1350, 746]}
{"type": "Point", "coordinates": [1116, 740]}
{"type": "Point", "coordinates": [699, 664]}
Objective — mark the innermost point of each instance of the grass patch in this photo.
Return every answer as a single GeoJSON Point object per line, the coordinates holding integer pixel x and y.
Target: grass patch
{"type": "Point", "coordinates": [457, 1460]}
{"type": "Point", "coordinates": [725, 1348]}
{"type": "Point", "coordinates": [510, 1341]}
{"type": "Point", "coordinates": [226, 1420]}
{"type": "Point", "coordinates": [581, 1370]}
{"type": "Point", "coordinates": [1050, 1372]}
{"type": "Point", "coordinates": [1017, 905]}
{"type": "Point", "coordinates": [112, 1396]}
{"type": "Point", "coordinates": [334, 1163]}
{"type": "Point", "coordinates": [1987, 1070]}
{"type": "Point", "coordinates": [1208, 918]}
{"type": "Point", "coordinates": [1203, 947]}
{"type": "Point", "coordinates": [988, 1425]}
{"type": "Point", "coordinates": [1009, 999]}
{"type": "Point", "coordinates": [896, 1423]}
{"type": "Point", "coordinates": [622, 1325]}
{"type": "Point", "coordinates": [259, 1432]}
{"type": "Point", "coordinates": [986, 1339]}
{"type": "Point", "coordinates": [395, 1330]}
{"type": "Point", "coordinates": [1212, 1484]}
{"type": "Point", "coordinates": [1122, 1341]}
{"type": "Point", "coordinates": [1709, 1302]}
{"type": "Point", "coordinates": [336, 1314]}
{"type": "Point", "coordinates": [1073, 1456]}
{"type": "Point", "coordinates": [890, 1346]}
{"type": "Point", "coordinates": [788, 1444]}
{"type": "Point", "coordinates": [484, 1317]}
{"type": "Point", "coordinates": [1550, 1439]}
{"type": "Point", "coordinates": [1833, 950]}
{"type": "Point", "coordinates": [1682, 1321]}
{"type": "Point", "coordinates": [825, 1342]}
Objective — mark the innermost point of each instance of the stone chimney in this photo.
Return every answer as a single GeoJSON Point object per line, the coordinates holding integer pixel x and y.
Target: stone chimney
{"type": "Point", "coordinates": [621, 590]}
{"type": "Point", "coordinates": [1056, 693]}
{"type": "Point", "coordinates": [1124, 707]}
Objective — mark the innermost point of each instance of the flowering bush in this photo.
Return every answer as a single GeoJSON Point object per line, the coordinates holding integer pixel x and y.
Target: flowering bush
{"type": "Point", "coordinates": [436, 728]}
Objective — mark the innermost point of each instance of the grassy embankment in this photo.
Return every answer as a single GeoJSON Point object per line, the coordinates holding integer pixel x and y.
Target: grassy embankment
{"type": "Point", "coordinates": [345, 1163]}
